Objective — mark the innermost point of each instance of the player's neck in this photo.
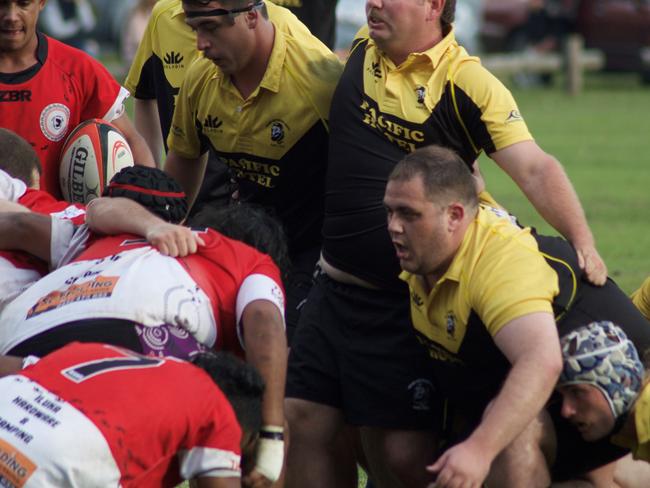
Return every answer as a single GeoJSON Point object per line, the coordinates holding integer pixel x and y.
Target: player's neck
{"type": "Point", "coordinates": [19, 60]}
{"type": "Point", "coordinates": [248, 79]}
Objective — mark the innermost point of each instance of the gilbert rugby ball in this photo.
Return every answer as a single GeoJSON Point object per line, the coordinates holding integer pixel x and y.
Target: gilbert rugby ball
{"type": "Point", "coordinates": [91, 155]}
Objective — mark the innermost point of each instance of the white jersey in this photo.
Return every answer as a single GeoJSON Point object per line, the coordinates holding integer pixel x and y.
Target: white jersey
{"type": "Point", "coordinates": [124, 278]}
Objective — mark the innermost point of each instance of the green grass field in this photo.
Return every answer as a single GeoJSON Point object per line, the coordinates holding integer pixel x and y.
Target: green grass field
{"type": "Point", "coordinates": [600, 138]}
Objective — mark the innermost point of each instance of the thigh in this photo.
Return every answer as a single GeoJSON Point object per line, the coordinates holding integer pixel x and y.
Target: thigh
{"type": "Point", "coordinates": [386, 372]}
{"type": "Point", "coordinates": [313, 370]}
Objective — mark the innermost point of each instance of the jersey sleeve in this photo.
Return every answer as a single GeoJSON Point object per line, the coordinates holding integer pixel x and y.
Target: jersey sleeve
{"type": "Point", "coordinates": [641, 298]}
{"type": "Point", "coordinates": [512, 280]}
{"type": "Point", "coordinates": [487, 109]}
{"type": "Point", "coordinates": [184, 137]}
{"type": "Point", "coordinates": [140, 79]}
{"type": "Point", "coordinates": [11, 188]}
{"type": "Point", "coordinates": [213, 443]}
{"type": "Point", "coordinates": [68, 241]}
{"type": "Point", "coordinates": [103, 96]}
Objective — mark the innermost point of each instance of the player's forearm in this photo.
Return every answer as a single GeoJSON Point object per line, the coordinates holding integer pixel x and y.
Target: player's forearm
{"type": "Point", "coordinates": [523, 395]}
{"type": "Point", "coordinates": [147, 123]}
{"type": "Point", "coordinates": [119, 215]}
{"type": "Point", "coordinates": [26, 231]}
{"type": "Point", "coordinates": [553, 196]}
{"type": "Point", "coordinates": [266, 349]}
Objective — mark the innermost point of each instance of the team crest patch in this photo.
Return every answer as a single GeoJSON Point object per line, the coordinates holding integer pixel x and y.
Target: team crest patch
{"type": "Point", "coordinates": [54, 121]}
{"type": "Point", "coordinates": [420, 93]}
{"type": "Point", "coordinates": [421, 390]}
{"type": "Point", "coordinates": [278, 131]}
{"type": "Point", "coordinates": [451, 324]}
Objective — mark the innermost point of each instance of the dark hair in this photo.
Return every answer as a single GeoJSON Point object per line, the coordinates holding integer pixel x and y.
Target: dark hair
{"type": "Point", "coordinates": [240, 382]}
{"type": "Point", "coordinates": [448, 13]}
{"type": "Point", "coordinates": [251, 224]}
{"type": "Point", "coordinates": [18, 158]}
{"type": "Point", "coordinates": [443, 173]}
{"type": "Point", "coordinates": [230, 4]}
{"type": "Point", "coordinates": [153, 189]}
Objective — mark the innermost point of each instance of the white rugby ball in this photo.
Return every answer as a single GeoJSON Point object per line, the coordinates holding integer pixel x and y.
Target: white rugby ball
{"type": "Point", "coordinates": [92, 154]}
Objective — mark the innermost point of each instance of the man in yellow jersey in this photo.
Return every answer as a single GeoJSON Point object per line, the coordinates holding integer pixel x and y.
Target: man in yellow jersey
{"type": "Point", "coordinates": [167, 50]}
{"type": "Point", "coordinates": [488, 300]}
{"type": "Point", "coordinates": [406, 84]}
{"type": "Point", "coordinates": [258, 99]}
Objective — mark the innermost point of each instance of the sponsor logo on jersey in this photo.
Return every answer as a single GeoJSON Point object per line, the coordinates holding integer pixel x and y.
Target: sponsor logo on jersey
{"type": "Point", "coordinates": [514, 116]}
{"type": "Point", "coordinates": [211, 122]}
{"type": "Point", "coordinates": [420, 93]}
{"type": "Point", "coordinates": [421, 392]}
{"type": "Point", "coordinates": [278, 131]}
{"type": "Point", "coordinates": [15, 467]}
{"type": "Point", "coordinates": [54, 121]}
{"type": "Point", "coordinates": [15, 95]}
{"type": "Point", "coordinates": [375, 69]}
{"type": "Point", "coordinates": [173, 60]}
{"type": "Point", "coordinates": [99, 287]}
{"type": "Point", "coordinates": [417, 299]}
{"type": "Point", "coordinates": [401, 135]}
{"type": "Point", "coordinates": [263, 174]}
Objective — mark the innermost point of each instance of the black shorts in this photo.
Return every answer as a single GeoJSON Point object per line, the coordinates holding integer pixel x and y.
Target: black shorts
{"type": "Point", "coordinates": [355, 350]}
{"type": "Point", "coordinates": [160, 340]}
{"type": "Point", "coordinates": [297, 286]}
{"type": "Point", "coordinates": [109, 331]}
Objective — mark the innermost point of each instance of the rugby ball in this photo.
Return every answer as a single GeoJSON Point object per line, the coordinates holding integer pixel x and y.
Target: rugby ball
{"type": "Point", "coordinates": [91, 155]}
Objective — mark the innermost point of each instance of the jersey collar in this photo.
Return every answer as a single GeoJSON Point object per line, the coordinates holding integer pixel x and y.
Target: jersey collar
{"type": "Point", "coordinates": [273, 74]}
{"type": "Point", "coordinates": [433, 55]}
{"type": "Point", "coordinates": [29, 73]}
{"type": "Point", "coordinates": [177, 10]}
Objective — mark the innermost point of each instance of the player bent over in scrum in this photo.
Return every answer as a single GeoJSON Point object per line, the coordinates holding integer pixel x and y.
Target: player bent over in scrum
{"type": "Point", "coordinates": [130, 291]}
{"type": "Point", "coordinates": [489, 300]}
{"type": "Point", "coordinates": [99, 415]}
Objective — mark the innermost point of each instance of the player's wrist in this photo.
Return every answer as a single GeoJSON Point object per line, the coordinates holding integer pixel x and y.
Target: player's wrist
{"type": "Point", "coordinates": [270, 452]}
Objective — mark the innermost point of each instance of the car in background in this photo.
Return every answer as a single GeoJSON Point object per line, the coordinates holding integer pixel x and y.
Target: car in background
{"type": "Point", "coordinates": [618, 28]}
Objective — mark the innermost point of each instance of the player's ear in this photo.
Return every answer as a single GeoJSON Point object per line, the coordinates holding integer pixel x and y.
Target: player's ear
{"type": "Point", "coordinates": [434, 9]}
{"type": "Point", "coordinates": [455, 215]}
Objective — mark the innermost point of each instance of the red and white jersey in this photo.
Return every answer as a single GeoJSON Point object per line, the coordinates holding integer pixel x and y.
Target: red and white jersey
{"type": "Point", "coordinates": [18, 270]}
{"type": "Point", "coordinates": [93, 415]}
{"type": "Point", "coordinates": [123, 277]}
{"type": "Point", "coordinates": [43, 104]}
{"type": "Point", "coordinates": [40, 201]}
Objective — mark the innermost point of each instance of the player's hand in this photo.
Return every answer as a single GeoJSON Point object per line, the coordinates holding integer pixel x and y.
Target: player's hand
{"type": "Point", "coordinates": [592, 264]}
{"type": "Point", "coordinates": [256, 480]}
{"type": "Point", "coordinates": [174, 240]}
{"type": "Point", "coordinates": [464, 465]}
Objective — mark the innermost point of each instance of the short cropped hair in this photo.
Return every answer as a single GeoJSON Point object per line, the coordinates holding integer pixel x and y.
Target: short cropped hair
{"type": "Point", "coordinates": [240, 382]}
{"type": "Point", "coordinates": [18, 158]}
{"type": "Point", "coordinates": [229, 4]}
{"type": "Point", "coordinates": [448, 13]}
{"type": "Point", "coordinates": [251, 224]}
{"type": "Point", "coordinates": [444, 174]}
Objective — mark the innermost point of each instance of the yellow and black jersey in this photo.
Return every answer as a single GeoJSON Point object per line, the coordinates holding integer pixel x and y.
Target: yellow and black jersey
{"type": "Point", "coordinates": [168, 48]}
{"type": "Point", "coordinates": [640, 446]}
{"type": "Point", "coordinates": [641, 298]}
{"type": "Point", "coordinates": [501, 272]}
{"type": "Point", "coordinates": [380, 112]}
{"type": "Point", "coordinates": [275, 141]}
